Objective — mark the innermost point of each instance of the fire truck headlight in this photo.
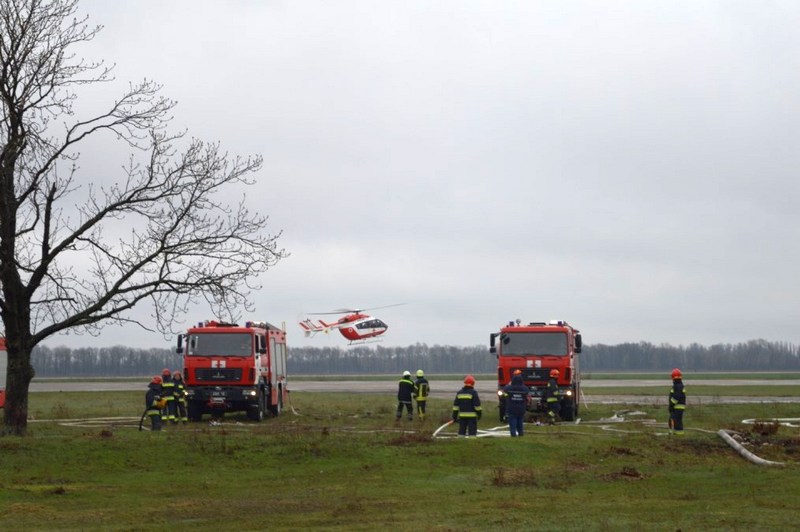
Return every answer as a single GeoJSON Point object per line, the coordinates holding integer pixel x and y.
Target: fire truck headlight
{"type": "Point", "coordinates": [500, 393]}
{"type": "Point", "coordinates": [569, 393]}
{"type": "Point", "coordinates": [250, 393]}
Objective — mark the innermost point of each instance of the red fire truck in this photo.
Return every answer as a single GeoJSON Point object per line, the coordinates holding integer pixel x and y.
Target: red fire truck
{"type": "Point", "coordinates": [535, 349]}
{"type": "Point", "coordinates": [230, 368]}
{"type": "Point", "coordinates": [3, 367]}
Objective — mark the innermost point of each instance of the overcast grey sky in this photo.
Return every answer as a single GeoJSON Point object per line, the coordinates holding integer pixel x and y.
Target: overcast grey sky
{"type": "Point", "coordinates": [627, 166]}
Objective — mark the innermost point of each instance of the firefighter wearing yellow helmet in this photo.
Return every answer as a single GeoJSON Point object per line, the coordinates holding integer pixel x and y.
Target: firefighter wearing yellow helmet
{"type": "Point", "coordinates": [423, 390]}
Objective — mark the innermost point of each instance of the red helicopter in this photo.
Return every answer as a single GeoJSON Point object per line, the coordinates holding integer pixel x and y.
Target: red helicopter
{"type": "Point", "coordinates": [357, 327]}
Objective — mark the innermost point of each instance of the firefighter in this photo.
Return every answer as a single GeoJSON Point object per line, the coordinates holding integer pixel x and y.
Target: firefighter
{"type": "Point", "coordinates": [422, 393]}
{"type": "Point", "coordinates": [503, 397]}
{"type": "Point", "coordinates": [516, 398]}
{"type": "Point", "coordinates": [179, 391]}
{"type": "Point", "coordinates": [677, 403]}
{"type": "Point", "coordinates": [552, 399]}
{"type": "Point", "coordinates": [406, 389]}
{"type": "Point", "coordinates": [154, 403]}
{"type": "Point", "coordinates": [167, 392]}
{"type": "Point", "coordinates": [467, 408]}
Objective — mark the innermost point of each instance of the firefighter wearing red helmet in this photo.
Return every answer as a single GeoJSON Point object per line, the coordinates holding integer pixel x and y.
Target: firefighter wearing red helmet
{"type": "Point", "coordinates": [552, 398]}
{"type": "Point", "coordinates": [153, 403]}
{"type": "Point", "coordinates": [467, 408]}
{"type": "Point", "coordinates": [677, 403]}
{"type": "Point", "coordinates": [167, 392]}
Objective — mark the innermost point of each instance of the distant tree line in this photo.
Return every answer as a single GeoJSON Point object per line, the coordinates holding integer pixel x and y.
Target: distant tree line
{"type": "Point", "coordinates": [120, 361]}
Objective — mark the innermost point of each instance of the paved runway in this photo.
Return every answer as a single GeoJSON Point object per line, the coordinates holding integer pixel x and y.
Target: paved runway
{"type": "Point", "coordinates": [486, 388]}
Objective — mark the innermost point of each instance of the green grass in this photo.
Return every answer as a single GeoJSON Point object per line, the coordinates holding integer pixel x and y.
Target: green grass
{"type": "Point", "coordinates": [344, 464]}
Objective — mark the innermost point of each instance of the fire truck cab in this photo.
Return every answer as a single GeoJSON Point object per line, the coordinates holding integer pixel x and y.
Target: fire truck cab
{"type": "Point", "coordinates": [535, 349]}
{"type": "Point", "coordinates": [227, 367]}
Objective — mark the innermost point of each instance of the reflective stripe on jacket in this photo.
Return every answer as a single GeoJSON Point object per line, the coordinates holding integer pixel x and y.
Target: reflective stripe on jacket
{"type": "Point", "coordinates": [551, 393]}
{"type": "Point", "coordinates": [406, 388]}
{"type": "Point", "coordinates": [423, 389]}
{"type": "Point", "coordinates": [467, 403]}
{"type": "Point", "coordinates": [677, 395]}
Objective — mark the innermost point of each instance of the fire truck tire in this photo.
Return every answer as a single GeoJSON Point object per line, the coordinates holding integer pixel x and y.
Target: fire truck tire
{"type": "Point", "coordinates": [195, 410]}
{"type": "Point", "coordinates": [568, 410]}
{"type": "Point", "coordinates": [277, 408]}
{"type": "Point", "coordinates": [256, 413]}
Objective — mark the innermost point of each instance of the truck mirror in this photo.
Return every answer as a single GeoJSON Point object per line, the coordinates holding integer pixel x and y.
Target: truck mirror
{"type": "Point", "coordinates": [578, 343]}
{"type": "Point", "coordinates": [261, 344]}
{"type": "Point", "coordinates": [179, 349]}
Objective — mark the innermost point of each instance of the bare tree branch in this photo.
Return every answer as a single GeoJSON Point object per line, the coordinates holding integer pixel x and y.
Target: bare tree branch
{"type": "Point", "coordinates": [162, 233]}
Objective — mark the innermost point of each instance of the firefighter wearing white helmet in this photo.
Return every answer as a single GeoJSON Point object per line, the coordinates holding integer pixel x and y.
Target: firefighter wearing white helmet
{"type": "Point", "coordinates": [552, 398]}
{"type": "Point", "coordinates": [422, 393]}
{"type": "Point", "coordinates": [406, 389]}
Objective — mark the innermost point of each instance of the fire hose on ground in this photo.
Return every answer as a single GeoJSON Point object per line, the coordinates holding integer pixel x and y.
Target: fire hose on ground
{"type": "Point", "coordinates": [723, 433]}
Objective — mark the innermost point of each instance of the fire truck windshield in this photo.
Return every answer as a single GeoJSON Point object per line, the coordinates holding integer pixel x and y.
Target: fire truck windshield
{"type": "Point", "coordinates": [530, 343]}
{"type": "Point", "coordinates": [221, 345]}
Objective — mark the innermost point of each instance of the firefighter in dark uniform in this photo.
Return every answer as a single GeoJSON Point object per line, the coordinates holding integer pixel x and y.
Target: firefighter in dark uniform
{"type": "Point", "coordinates": [153, 403]}
{"type": "Point", "coordinates": [406, 389]}
{"type": "Point", "coordinates": [516, 399]}
{"type": "Point", "coordinates": [552, 398]}
{"type": "Point", "coordinates": [423, 391]}
{"type": "Point", "coordinates": [467, 408]}
{"type": "Point", "coordinates": [179, 392]}
{"type": "Point", "coordinates": [677, 403]}
{"type": "Point", "coordinates": [167, 389]}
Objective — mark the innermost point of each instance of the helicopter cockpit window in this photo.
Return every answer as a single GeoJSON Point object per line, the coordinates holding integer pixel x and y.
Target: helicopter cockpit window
{"type": "Point", "coordinates": [221, 345]}
{"type": "Point", "coordinates": [371, 324]}
{"type": "Point", "coordinates": [519, 344]}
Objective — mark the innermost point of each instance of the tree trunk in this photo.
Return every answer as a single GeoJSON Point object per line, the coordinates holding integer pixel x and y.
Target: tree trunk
{"type": "Point", "coordinates": [19, 376]}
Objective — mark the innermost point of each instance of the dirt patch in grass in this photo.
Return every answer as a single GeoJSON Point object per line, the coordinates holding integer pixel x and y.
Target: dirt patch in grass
{"type": "Point", "coordinates": [622, 451]}
{"type": "Point", "coordinates": [522, 476]}
{"type": "Point", "coordinates": [626, 473]}
{"type": "Point", "coordinates": [411, 438]}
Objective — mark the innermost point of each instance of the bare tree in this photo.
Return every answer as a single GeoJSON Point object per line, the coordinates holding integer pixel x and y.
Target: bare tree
{"type": "Point", "coordinates": [77, 256]}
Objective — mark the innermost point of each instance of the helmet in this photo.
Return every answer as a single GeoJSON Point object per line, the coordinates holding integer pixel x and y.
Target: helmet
{"type": "Point", "coordinates": [406, 373]}
{"type": "Point", "coordinates": [156, 380]}
{"type": "Point", "coordinates": [469, 380]}
{"type": "Point", "coordinates": [554, 373]}
{"type": "Point", "coordinates": [166, 372]}
{"type": "Point", "coordinates": [517, 372]}
{"type": "Point", "coordinates": [676, 373]}
{"type": "Point", "coordinates": [177, 375]}
{"type": "Point", "coordinates": [420, 373]}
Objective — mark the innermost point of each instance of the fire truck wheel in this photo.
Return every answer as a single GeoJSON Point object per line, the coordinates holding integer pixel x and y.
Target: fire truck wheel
{"type": "Point", "coordinates": [195, 410]}
{"type": "Point", "coordinates": [277, 408]}
{"type": "Point", "coordinates": [256, 413]}
{"type": "Point", "coordinates": [568, 410]}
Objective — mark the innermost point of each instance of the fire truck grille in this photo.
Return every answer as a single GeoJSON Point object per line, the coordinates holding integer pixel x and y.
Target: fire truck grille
{"type": "Point", "coordinates": [218, 374]}
{"type": "Point", "coordinates": [538, 374]}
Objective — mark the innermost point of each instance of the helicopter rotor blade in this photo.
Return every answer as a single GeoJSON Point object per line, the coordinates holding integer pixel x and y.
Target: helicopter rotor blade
{"type": "Point", "coordinates": [351, 310]}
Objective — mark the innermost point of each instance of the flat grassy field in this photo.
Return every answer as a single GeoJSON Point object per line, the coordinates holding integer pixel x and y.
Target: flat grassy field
{"type": "Point", "coordinates": [340, 462]}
